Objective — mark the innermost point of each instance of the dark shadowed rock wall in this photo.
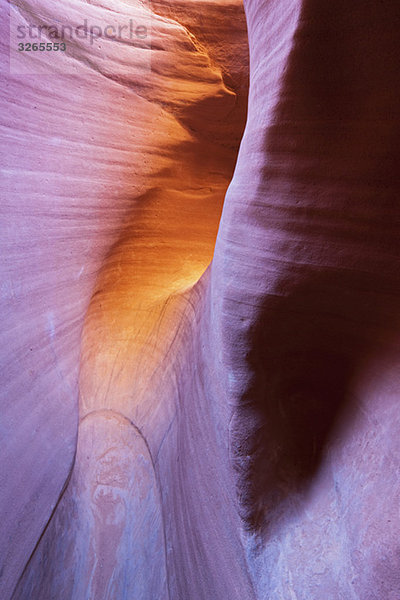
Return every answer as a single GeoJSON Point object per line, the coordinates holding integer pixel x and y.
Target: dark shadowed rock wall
{"type": "Point", "coordinates": [172, 431]}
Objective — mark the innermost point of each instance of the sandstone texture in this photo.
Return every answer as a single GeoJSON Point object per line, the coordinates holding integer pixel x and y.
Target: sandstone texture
{"type": "Point", "coordinates": [184, 418]}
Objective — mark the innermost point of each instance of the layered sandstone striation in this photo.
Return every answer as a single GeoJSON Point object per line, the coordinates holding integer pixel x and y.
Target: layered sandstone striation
{"type": "Point", "coordinates": [118, 156]}
{"type": "Point", "coordinates": [305, 297]}
{"type": "Point", "coordinates": [173, 431]}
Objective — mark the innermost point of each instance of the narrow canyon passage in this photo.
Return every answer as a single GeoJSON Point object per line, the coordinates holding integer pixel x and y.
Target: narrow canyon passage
{"type": "Point", "coordinates": [201, 350]}
{"type": "Point", "coordinates": [107, 537]}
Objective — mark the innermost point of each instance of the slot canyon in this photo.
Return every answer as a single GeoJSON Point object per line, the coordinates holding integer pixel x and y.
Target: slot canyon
{"type": "Point", "coordinates": [200, 300]}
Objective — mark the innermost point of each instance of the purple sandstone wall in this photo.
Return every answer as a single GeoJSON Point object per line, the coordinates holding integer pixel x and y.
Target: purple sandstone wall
{"type": "Point", "coordinates": [305, 302]}
{"type": "Point", "coordinates": [233, 436]}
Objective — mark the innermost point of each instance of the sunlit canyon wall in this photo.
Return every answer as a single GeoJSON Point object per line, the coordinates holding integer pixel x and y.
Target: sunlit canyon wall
{"type": "Point", "coordinates": [175, 429]}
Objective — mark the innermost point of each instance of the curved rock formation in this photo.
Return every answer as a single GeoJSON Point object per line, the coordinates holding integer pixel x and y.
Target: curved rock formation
{"type": "Point", "coordinates": [174, 431]}
{"type": "Point", "coordinates": [119, 158]}
{"type": "Point", "coordinates": [304, 292]}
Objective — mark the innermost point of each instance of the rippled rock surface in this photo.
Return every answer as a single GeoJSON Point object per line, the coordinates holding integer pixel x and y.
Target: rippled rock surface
{"type": "Point", "coordinates": [184, 421]}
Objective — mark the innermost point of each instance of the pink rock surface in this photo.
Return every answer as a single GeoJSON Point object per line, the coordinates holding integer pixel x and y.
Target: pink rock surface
{"type": "Point", "coordinates": [112, 196]}
{"type": "Point", "coordinates": [106, 534]}
{"type": "Point", "coordinates": [233, 436]}
{"type": "Point", "coordinates": [305, 302]}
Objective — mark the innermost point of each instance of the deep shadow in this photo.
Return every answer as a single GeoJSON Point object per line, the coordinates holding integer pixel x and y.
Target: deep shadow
{"type": "Point", "coordinates": [333, 138]}
{"type": "Point", "coordinates": [306, 351]}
